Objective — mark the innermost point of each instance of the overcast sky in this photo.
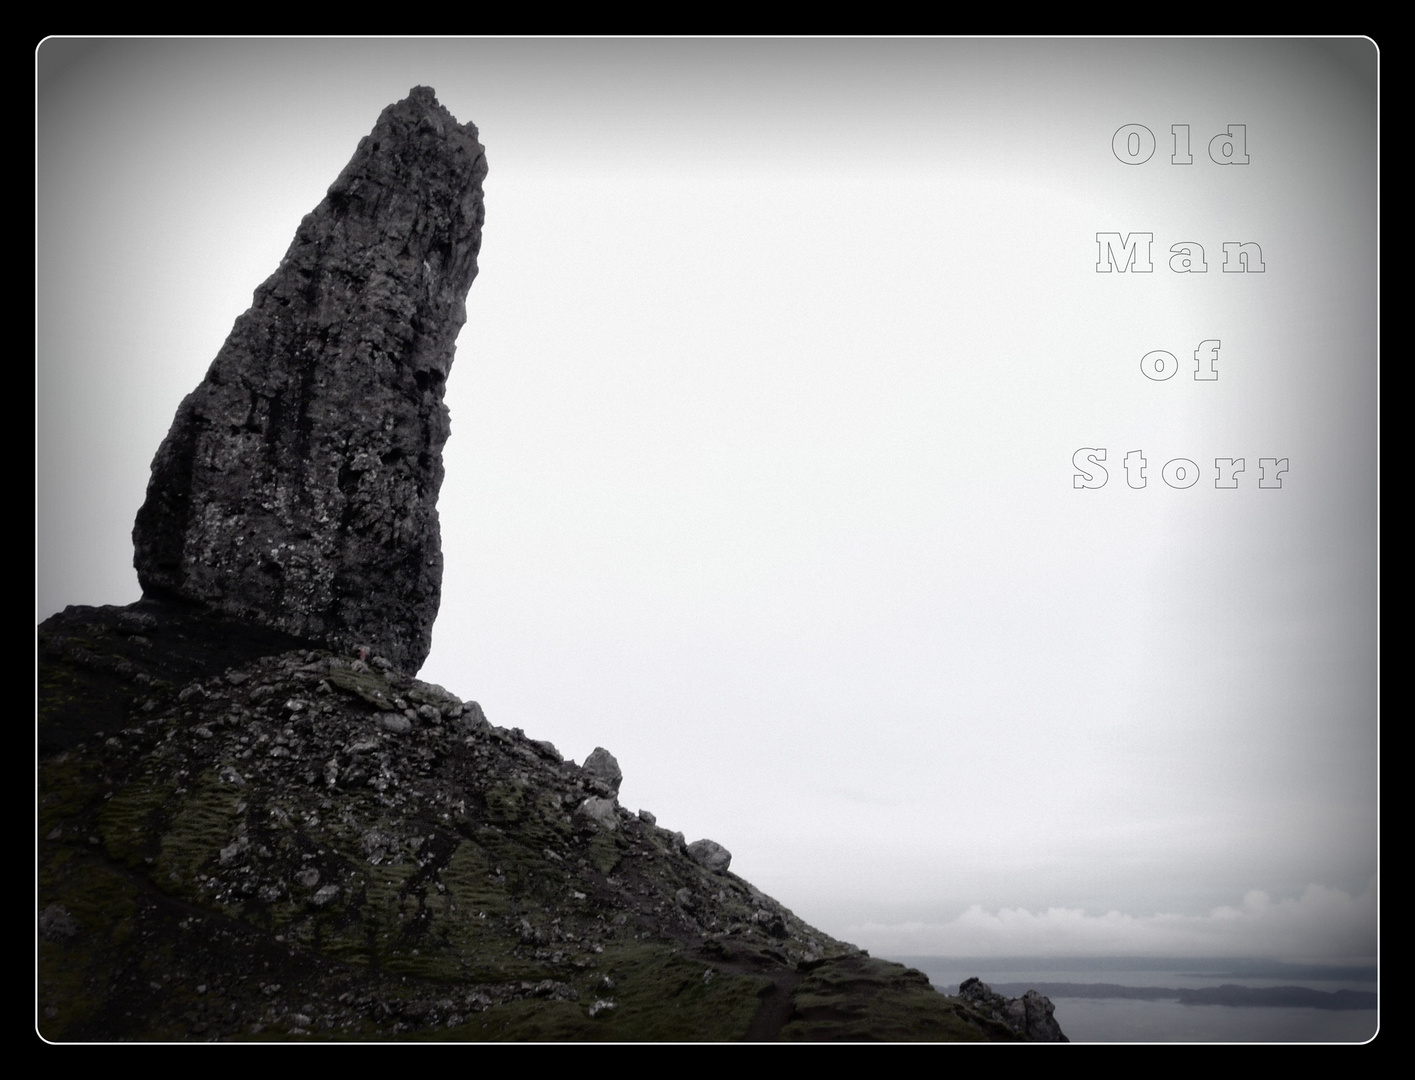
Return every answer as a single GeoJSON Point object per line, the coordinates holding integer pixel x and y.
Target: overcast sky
{"type": "Point", "coordinates": [763, 423]}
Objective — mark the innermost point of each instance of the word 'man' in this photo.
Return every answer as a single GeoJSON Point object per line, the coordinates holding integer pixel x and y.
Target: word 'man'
{"type": "Point", "coordinates": [1131, 253]}
{"type": "Point", "coordinates": [1177, 472]}
{"type": "Point", "coordinates": [1134, 144]}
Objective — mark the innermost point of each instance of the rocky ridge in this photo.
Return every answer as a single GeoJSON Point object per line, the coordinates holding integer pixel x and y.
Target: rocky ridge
{"type": "Point", "coordinates": [307, 845]}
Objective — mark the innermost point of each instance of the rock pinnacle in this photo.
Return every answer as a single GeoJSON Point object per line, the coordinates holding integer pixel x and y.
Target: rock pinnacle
{"type": "Point", "coordinates": [297, 487]}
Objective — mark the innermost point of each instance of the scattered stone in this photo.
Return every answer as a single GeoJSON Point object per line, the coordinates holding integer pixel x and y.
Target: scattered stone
{"type": "Point", "coordinates": [232, 853]}
{"type": "Point", "coordinates": [647, 818]}
{"type": "Point", "coordinates": [555, 991]}
{"type": "Point", "coordinates": [297, 487]}
{"type": "Point", "coordinates": [325, 896]}
{"type": "Point", "coordinates": [136, 621]}
{"type": "Point", "coordinates": [378, 845]}
{"type": "Point", "coordinates": [772, 922]}
{"type": "Point", "coordinates": [56, 924]}
{"type": "Point", "coordinates": [601, 812]}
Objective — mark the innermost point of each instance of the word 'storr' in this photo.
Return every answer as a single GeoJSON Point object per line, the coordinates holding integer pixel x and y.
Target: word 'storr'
{"type": "Point", "coordinates": [1180, 472]}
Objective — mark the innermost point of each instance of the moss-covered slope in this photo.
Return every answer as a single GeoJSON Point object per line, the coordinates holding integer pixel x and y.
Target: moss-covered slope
{"type": "Point", "coordinates": [241, 839]}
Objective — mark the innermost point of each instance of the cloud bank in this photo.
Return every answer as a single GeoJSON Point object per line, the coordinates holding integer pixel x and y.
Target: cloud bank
{"type": "Point", "coordinates": [1322, 924]}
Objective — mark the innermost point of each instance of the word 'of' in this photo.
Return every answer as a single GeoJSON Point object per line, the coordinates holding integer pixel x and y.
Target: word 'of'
{"type": "Point", "coordinates": [1160, 365]}
{"type": "Point", "coordinates": [1134, 144]}
{"type": "Point", "coordinates": [1132, 253]}
{"type": "Point", "coordinates": [1177, 472]}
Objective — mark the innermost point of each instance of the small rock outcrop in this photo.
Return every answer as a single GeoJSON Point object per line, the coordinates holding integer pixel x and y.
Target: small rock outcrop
{"type": "Point", "coordinates": [1030, 1016]}
{"type": "Point", "coordinates": [297, 487]}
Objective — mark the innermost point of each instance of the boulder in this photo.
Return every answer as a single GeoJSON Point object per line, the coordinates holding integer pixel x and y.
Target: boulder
{"type": "Point", "coordinates": [710, 855]}
{"type": "Point", "coordinates": [602, 766]}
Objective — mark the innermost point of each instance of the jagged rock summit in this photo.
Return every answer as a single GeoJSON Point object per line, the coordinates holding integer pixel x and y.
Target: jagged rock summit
{"type": "Point", "coordinates": [297, 487]}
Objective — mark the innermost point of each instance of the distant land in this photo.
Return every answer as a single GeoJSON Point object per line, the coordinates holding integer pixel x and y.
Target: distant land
{"type": "Point", "coordinates": [1227, 994]}
{"type": "Point", "coordinates": [1188, 969]}
{"type": "Point", "coordinates": [1213, 967]}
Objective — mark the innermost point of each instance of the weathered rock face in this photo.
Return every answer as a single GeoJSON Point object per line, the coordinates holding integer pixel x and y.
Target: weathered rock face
{"type": "Point", "coordinates": [298, 485]}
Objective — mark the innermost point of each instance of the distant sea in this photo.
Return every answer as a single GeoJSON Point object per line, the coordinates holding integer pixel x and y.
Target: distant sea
{"type": "Point", "coordinates": [1146, 999]}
